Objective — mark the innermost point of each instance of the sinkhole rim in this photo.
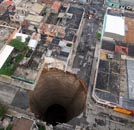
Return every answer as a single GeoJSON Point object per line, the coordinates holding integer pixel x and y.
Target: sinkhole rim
{"type": "Point", "coordinates": [58, 87]}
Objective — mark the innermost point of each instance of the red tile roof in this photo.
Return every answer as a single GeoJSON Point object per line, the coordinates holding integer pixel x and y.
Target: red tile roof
{"type": "Point", "coordinates": [122, 50]}
{"type": "Point", "coordinates": [8, 2]}
{"type": "Point", "coordinates": [56, 5]}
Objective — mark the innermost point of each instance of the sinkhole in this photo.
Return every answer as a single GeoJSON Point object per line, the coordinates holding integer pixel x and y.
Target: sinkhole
{"type": "Point", "coordinates": [58, 97]}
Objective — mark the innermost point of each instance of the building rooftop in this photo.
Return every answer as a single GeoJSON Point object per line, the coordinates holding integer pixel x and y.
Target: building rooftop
{"type": "Point", "coordinates": [22, 124]}
{"type": "Point", "coordinates": [129, 30]}
{"type": "Point", "coordinates": [8, 2]}
{"type": "Point", "coordinates": [130, 71]}
{"type": "Point", "coordinates": [53, 30]}
{"type": "Point", "coordinates": [122, 2]}
{"type": "Point", "coordinates": [37, 8]}
{"type": "Point", "coordinates": [4, 53]}
{"type": "Point", "coordinates": [2, 10]}
{"type": "Point", "coordinates": [6, 34]}
{"type": "Point", "coordinates": [34, 18]}
{"type": "Point", "coordinates": [115, 25]}
{"type": "Point", "coordinates": [48, 45]}
{"type": "Point", "coordinates": [115, 71]}
{"type": "Point", "coordinates": [32, 43]}
{"type": "Point", "coordinates": [56, 5]}
{"type": "Point", "coordinates": [47, 1]}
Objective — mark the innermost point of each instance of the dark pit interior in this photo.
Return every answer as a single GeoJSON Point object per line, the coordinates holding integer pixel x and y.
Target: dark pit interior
{"type": "Point", "coordinates": [55, 114]}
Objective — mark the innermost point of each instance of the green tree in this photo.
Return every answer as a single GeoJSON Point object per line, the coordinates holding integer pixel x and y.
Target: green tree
{"type": "Point", "coordinates": [18, 45]}
{"type": "Point", "coordinates": [69, 44]}
{"type": "Point", "coordinates": [42, 128]}
{"type": "Point", "coordinates": [98, 35]}
{"type": "Point", "coordinates": [3, 110]}
{"type": "Point", "coordinates": [10, 126]}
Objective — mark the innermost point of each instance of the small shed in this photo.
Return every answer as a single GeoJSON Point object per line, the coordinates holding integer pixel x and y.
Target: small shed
{"type": "Point", "coordinates": [32, 44]}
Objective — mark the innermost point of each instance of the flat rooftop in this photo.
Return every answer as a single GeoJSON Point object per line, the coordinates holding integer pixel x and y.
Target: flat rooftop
{"type": "Point", "coordinates": [115, 25]}
{"type": "Point", "coordinates": [34, 18]}
{"type": "Point", "coordinates": [130, 72]}
{"type": "Point", "coordinates": [22, 124]}
{"type": "Point", "coordinates": [115, 73]}
{"type": "Point", "coordinates": [108, 80]}
{"type": "Point", "coordinates": [6, 33]}
{"type": "Point", "coordinates": [129, 30]}
{"type": "Point", "coordinates": [4, 54]}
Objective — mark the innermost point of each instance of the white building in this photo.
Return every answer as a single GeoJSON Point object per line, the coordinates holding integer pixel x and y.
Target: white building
{"type": "Point", "coordinates": [117, 3]}
{"type": "Point", "coordinates": [114, 27]}
{"type": "Point", "coordinates": [32, 44]}
{"type": "Point", "coordinates": [4, 54]}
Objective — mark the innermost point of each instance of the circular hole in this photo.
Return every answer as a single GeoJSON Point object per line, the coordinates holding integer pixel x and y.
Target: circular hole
{"type": "Point", "coordinates": [58, 97]}
{"type": "Point", "coordinates": [55, 114]}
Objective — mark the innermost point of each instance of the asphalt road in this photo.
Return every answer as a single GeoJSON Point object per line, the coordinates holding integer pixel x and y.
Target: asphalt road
{"type": "Point", "coordinates": [85, 51]}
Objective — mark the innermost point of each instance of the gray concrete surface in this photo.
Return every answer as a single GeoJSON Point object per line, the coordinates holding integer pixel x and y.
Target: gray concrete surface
{"type": "Point", "coordinates": [14, 96]}
{"type": "Point", "coordinates": [7, 92]}
{"type": "Point", "coordinates": [21, 99]}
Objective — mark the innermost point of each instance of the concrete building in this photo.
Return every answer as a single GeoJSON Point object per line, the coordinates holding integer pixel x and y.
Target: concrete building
{"type": "Point", "coordinates": [56, 6]}
{"type": "Point", "coordinates": [130, 70]}
{"type": "Point", "coordinates": [4, 54]}
{"type": "Point", "coordinates": [114, 76]}
{"type": "Point", "coordinates": [33, 19]}
{"type": "Point", "coordinates": [22, 124]}
{"type": "Point", "coordinates": [114, 27]}
{"type": "Point", "coordinates": [117, 3]}
{"type": "Point", "coordinates": [129, 30]}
